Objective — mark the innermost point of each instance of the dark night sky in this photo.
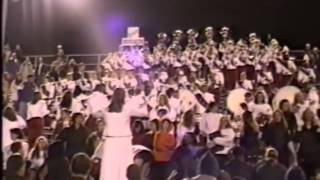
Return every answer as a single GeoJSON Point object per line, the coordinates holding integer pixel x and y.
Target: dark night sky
{"type": "Point", "coordinates": [100, 26]}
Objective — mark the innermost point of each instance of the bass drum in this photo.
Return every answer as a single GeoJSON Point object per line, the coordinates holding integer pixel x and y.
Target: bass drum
{"type": "Point", "coordinates": [287, 92]}
{"type": "Point", "coordinates": [234, 100]}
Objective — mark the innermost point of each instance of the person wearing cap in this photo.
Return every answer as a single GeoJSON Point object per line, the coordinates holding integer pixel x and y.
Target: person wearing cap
{"type": "Point", "coordinates": [270, 168]}
{"type": "Point", "coordinates": [237, 166]}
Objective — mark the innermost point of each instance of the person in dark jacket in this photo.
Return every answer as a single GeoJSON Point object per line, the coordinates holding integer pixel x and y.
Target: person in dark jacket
{"type": "Point", "coordinates": [80, 167]}
{"type": "Point", "coordinates": [276, 134]}
{"type": "Point", "coordinates": [15, 168]}
{"type": "Point", "coordinates": [26, 95]}
{"type": "Point", "coordinates": [309, 140]}
{"type": "Point", "coordinates": [237, 167]}
{"type": "Point", "coordinates": [75, 136]}
{"type": "Point", "coordinates": [56, 165]}
{"type": "Point", "coordinates": [295, 173]}
{"type": "Point", "coordinates": [184, 158]}
{"type": "Point", "coordinates": [270, 168]}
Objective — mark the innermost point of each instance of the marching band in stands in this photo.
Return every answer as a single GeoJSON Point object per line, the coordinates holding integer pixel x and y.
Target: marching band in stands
{"type": "Point", "coordinates": [188, 108]}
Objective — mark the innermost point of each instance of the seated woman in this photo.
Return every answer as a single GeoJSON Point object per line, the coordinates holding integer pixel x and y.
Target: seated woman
{"type": "Point", "coordinates": [225, 139]}
{"type": "Point", "coordinates": [261, 107]}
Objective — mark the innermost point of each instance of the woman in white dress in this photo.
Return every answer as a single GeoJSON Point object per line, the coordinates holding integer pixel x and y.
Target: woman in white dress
{"type": "Point", "coordinates": [117, 146]}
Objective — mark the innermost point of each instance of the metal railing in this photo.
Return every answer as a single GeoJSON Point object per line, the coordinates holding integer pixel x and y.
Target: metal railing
{"type": "Point", "coordinates": [94, 59]}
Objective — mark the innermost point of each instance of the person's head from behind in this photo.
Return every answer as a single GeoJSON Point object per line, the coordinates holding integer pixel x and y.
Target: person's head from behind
{"type": "Point", "coordinates": [117, 100]}
{"type": "Point", "coordinates": [166, 125]}
{"type": "Point", "coordinates": [36, 97]}
{"type": "Point", "coordinates": [212, 107]}
{"type": "Point", "coordinates": [16, 148]}
{"type": "Point", "coordinates": [66, 98]}
{"type": "Point", "coordinates": [284, 105]}
{"type": "Point", "coordinates": [188, 119]}
{"type": "Point", "coordinates": [238, 153]}
{"type": "Point", "coordinates": [15, 167]}
{"type": "Point", "coordinates": [65, 113]}
{"type": "Point", "coordinates": [133, 172]}
{"type": "Point", "coordinates": [56, 150]}
{"type": "Point", "coordinates": [271, 155]}
{"type": "Point", "coordinates": [247, 117]}
{"type": "Point", "coordinates": [30, 78]}
{"type": "Point", "coordinates": [80, 164]}
{"type": "Point", "coordinates": [163, 100]}
{"type": "Point", "coordinates": [144, 156]}
{"type": "Point", "coordinates": [100, 88]}
{"type": "Point", "coordinates": [296, 173]}
{"type": "Point", "coordinates": [9, 113]}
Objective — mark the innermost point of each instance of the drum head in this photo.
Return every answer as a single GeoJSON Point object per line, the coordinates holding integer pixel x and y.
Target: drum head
{"type": "Point", "coordinates": [234, 100]}
{"type": "Point", "coordinates": [287, 92]}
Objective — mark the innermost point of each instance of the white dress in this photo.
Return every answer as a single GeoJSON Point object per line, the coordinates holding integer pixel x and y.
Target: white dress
{"type": "Point", "coordinates": [117, 153]}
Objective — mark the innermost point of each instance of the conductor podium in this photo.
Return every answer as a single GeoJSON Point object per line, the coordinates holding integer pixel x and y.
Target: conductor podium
{"type": "Point", "coordinates": [133, 38]}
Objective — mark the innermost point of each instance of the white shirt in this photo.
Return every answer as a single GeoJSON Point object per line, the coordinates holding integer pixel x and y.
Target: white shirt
{"type": "Point", "coordinates": [7, 126]}
{"type": "Point", "coordinates": [306, 77]}
{"type": "Point", "coordinates": [246, 84]}
{"type": "Point", "coordinates": [97, 101]}
{"type": "Point", "coordinates": [175, 104]}
{"type": "Point", "coordinates": [261, 109]}
{"type": "Point", "coordinates": [118, 124]}
{"type": "Point", "coordinates": [227, 140]}
{"type": "Point", "coordinates": [281, 69]}
{"type": "Point", "coordinates": [210, 122]}
{"type": "Point", "coordinates": [266, 79]}
{"type": "Point", "coordinates": [36, 162]}
{"type": "Point", "coordinates": [39, 109]}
